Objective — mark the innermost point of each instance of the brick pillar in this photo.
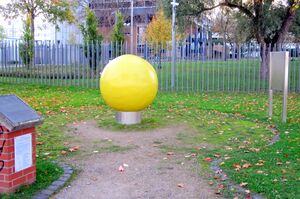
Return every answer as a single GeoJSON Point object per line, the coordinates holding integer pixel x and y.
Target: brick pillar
{"type": "Point", "coordinates": [10, 180]}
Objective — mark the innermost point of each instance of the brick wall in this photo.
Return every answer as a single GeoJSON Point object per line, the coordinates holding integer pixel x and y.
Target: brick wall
{"type": "Point", "coordinates": [10, 180]}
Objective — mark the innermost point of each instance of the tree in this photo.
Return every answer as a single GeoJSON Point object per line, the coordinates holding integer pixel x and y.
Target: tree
{"type": "Point", "coordinates": [27, 44]}
{"type": "Point", "coordinates": [269, 20]}
{"type": "Point", "coordinates": [92, 39]}
{"type": "Point", "coordinates": [159, 32]}
{"type": "Point", "coordinates": [118, 33]}
{"type": "Point", "coordinates": [232, 27]}
{"type": "Point", "coordinates": [52, 10]}
{"type": "Point", "coordinates": [2, 33]}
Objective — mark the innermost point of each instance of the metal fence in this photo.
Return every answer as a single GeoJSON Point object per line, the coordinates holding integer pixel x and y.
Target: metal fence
{"type": "Point", "coordinates": [199, 67]}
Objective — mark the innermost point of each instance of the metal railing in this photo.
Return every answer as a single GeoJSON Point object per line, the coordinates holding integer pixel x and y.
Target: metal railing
{"type": "Point", "coordinates": [199, 68]}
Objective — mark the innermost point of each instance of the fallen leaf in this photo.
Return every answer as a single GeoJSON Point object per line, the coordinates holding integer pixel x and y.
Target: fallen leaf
{"type": "Point", "coordinates": [217, 155]}
{"type": "Point", "coordinates": [247, 191]}
{"type": "Point", "coordinates": [247, 142]}
{"type": "Point", "coordinates": [125, 165]}
{"type": "Point", "coordinates": [170, 153]}
{"type": "Point", "coordinates": [247, 165]}
{"type": "Point", "coordinates": [180, 185]}
{"type": "Point", "coordinates": [76, 147]}
{"type": "Point", "coordinates": [254, 149]}
{"type": "Point", "coordinates": [220, 186]}
{"type": "Point", "coordinates": [222, 163]}
{"type": "Point", "coordinates": [228, 148]}
{"type": "Point", "coordinates": [39, 143]}
{"type": "Point", "coordinates": [208, 159]}
{"type": "Point", "coordinates": [62, 109]}
{"type": "Point", "coordinates": [259, 164]}
{"type": "Point", "coordinates": [243, 184]}
{"type": "Point", "coordinates": [259, 172]}
{"type": "Point", "coordinates": [73, 149]}
{"type": "Point", "coordinates": [121, 169]}
{"type": "Point", "coordinates": [63, 152]}
{"type": "Point", "coordinates": [237, 165]}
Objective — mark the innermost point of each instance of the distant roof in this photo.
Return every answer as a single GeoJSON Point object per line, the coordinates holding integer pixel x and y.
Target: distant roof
{"type": "Point", "coordinates": [15, 114]}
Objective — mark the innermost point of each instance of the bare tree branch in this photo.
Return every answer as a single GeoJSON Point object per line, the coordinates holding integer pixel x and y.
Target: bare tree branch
{"type": "Point", "coordinates": [287, 22]}
{"type": "Point", "coordinates": [232, 6]}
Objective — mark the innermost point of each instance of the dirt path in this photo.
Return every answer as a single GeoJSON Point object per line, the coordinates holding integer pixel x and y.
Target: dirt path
{"type": "Point", "coordinates": [150, 172]}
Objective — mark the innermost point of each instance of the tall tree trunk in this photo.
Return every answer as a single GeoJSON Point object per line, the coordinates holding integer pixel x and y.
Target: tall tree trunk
{"type": "Point", "coordinates": [264, 61]}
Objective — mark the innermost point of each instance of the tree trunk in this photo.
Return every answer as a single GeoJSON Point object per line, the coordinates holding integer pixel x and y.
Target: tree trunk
{"type": "Point", "coordinates": [264, 61]}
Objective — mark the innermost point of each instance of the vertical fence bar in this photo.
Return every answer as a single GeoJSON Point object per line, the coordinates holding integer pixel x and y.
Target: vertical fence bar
{"type": "Point", "coordinates": [213, 67]}
{"type": "Point", "coordinates": [263, 62]}
{"type": "Point", "coordinates": [97, 64]}
{"type": "Point", "coordinates": [93, 68]}
{"type": "Point", "coordinates": [234, 65]}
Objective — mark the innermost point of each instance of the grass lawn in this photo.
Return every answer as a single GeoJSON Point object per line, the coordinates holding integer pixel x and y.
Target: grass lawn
{"type": "Point", "coordinates": [230, 126]}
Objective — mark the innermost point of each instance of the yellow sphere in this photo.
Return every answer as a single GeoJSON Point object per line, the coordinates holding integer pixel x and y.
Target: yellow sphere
{"type": "Point", "coordinates": [128, 83]}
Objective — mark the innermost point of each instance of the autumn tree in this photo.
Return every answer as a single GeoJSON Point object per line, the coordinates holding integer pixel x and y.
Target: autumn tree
{"type": "Point", "coordinates": [91, 37]}
{"type": "Point", "coordinates": [269, 21]}
{"type": "Point", "coordinates": [27, 44]}
{"type": "Point", "coordinates": [53, 11]}
{"type": "Point", "coordinates": [118, 37]}
{"type": "Point", "coordinates": [159, 32]}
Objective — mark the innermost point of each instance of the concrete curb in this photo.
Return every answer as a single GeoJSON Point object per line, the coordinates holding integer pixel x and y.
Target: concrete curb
{"type": "Point", "coordinates": [56, 185]}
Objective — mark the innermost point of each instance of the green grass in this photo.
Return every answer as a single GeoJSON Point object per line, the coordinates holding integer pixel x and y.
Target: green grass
{"type": "Point", "coordinates": [230, 124]}
{"type": "Point", "coordinates": [46, 171]}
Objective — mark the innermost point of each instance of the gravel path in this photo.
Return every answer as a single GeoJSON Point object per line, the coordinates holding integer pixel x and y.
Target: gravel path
{"type": "Point", "coordinates": [148, 172]}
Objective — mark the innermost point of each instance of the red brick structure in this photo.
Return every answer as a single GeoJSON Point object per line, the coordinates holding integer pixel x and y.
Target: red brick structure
{"type": "Point", "coordinates": [10, 179]}
{"type": "Point", "coordinates": [17, 143]}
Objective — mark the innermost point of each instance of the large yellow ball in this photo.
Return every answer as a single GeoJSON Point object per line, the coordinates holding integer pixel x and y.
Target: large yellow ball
{"type": "Point", "coordinates": [128, 83]}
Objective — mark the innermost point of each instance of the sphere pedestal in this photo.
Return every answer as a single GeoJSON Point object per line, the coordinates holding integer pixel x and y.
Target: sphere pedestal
{"type": "Point", "coordinates": [129, 118]}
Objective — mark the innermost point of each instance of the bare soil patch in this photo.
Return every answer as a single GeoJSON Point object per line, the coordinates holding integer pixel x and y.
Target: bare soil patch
{"type": "Point", "coordinates": [148, 172]}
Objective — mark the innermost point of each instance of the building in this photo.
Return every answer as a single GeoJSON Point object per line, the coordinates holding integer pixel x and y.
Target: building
{"type": "Point", "coordinates": [44, 31]}
{"type": "Point", "coordinates": [143, 11]}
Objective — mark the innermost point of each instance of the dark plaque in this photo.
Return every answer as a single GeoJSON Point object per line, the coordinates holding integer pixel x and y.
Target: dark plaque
{"type": "Point", "coordinates": [15, 114]}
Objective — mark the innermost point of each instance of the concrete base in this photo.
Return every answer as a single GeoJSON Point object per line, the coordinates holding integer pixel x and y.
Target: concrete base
{"type": "Point", "coordinates": [129, 118]}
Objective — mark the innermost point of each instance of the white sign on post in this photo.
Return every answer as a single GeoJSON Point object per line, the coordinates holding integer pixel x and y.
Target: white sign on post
{"type": "Point", "coordinates": [279, 72]}
{"type": "Point", "coordinates": [23, 152]}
